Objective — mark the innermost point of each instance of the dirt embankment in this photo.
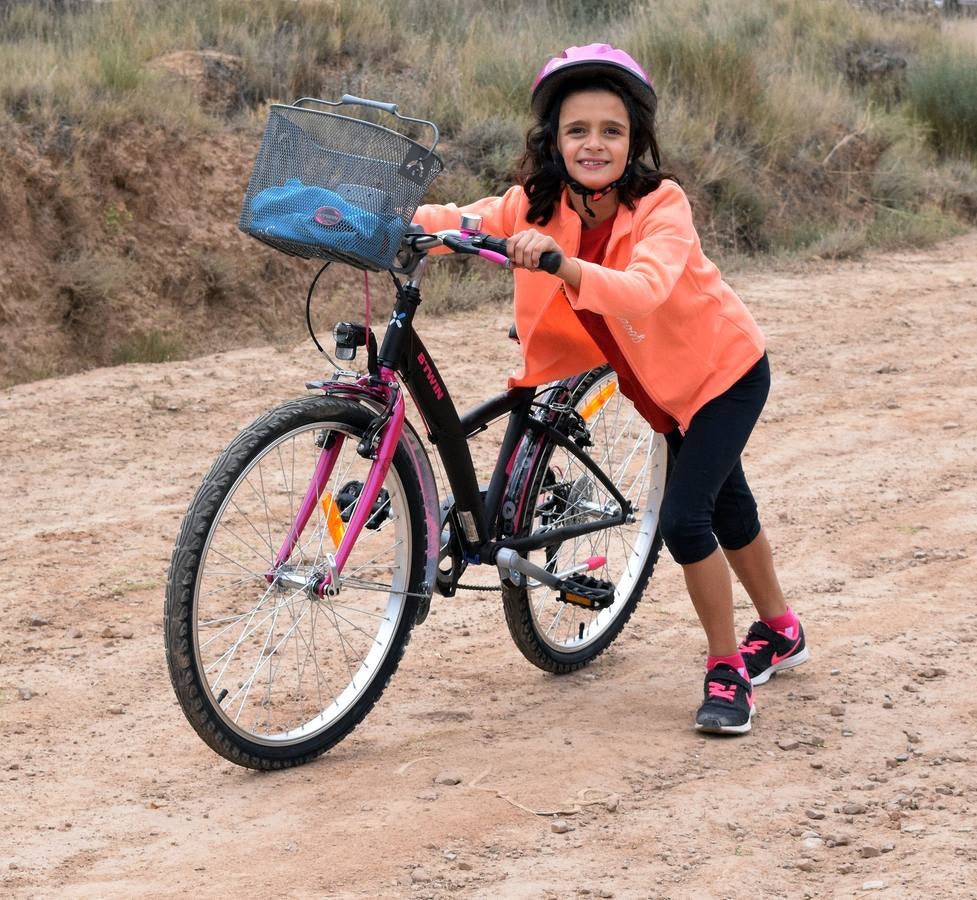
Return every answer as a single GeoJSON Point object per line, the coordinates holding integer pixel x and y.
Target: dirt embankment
{"type": "Point", "coordinates": [859, 777]}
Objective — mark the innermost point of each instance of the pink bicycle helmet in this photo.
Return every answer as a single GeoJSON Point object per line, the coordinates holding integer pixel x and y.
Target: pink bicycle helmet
{"type": "Point", "coordinates": [591, 59]}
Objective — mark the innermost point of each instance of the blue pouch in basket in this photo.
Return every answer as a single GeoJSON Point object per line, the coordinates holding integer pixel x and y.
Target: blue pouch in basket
{"type": "Point", "coordinates": [319, 217]}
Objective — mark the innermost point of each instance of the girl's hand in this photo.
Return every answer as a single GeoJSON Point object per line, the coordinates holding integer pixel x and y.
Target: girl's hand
{"type": "Point", "coordinates": [524, 249]}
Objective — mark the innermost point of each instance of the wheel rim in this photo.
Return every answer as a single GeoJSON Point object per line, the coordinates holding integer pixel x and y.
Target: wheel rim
{"type": "Point", "coordinates": [280, 666]}
{"type": "Point", "coordinates": [636, 459]}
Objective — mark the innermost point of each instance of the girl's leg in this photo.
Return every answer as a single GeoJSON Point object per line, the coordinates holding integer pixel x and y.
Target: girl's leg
{"type": "Point", "coordinates": [753, 565]}
{"type": "Point", "coordinates": [711, 590]}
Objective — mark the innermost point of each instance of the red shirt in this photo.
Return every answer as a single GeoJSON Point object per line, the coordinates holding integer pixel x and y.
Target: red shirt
{"type": "Point", "coordinates": [593, 243]}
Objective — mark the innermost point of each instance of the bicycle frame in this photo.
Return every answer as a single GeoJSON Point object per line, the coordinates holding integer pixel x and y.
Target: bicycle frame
{"type": "Point", "coordinates": [480, 529]}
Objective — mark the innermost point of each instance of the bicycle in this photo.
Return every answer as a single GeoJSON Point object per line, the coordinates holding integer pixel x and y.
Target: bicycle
{"type": "Point", "coordinates": [317, 539]}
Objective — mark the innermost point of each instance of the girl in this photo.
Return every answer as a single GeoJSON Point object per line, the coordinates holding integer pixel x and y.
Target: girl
{"type": "Point", "coordinates": [634, 289]}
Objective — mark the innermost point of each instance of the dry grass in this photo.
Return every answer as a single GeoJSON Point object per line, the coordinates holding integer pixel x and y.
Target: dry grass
{"type": "Point", "coordinates": [754, 94]}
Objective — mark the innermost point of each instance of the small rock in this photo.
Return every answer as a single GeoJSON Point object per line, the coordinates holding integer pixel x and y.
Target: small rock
{"type": "Point", "coordinates": [913, 737]}
{"type": "Point", "coordinates": [74, 633]}
{"type": "Point", "coordinates": [836, 671]}
{"type": "Point", "coordinates": [449, 855]}
{"type": "Point", "coordinates": [813, 814]}
{"type": "Point", "coordinates": [788, 743]}
{"type": "Point", "coordinates": [465, 866]}
{"type": "Point", "coordinates": [956, 756]}
{"type": "Point", "coordinates": [887, 704]}
{"type": "Point", "coordinates": [902, 757]}
{"type": "Point", "coordinates": [841, 840]}
{"type": "Point", "coordinates": [873, 886]}
{"type": "Point", "coordinates": [911, 688]}
{"type": "Point", "coordinates": [448, 778]}
{"type": "Point", "coordinates": [108, 632]}
{"type": "Point", "coordinates": [869, 852]}
{"type": "Point", "coordinates": [812, 843]}
{"type": "Point", "coordinates": [427, 795]}
{"type": "Point", "coordinates": [837, 710]}
{"type": "Point", "coordinates": [116, 710]}
{"type": "Point", "coordinates": [559, 826]}
{"type": "Point", "coordinates": [419, 876]}
{"type": "Point", "coordinates": [806, 865]}
{"type": "Point", "coordinates": [853, 809]}
{"type": "Point", "coordinates": [932, 672]}
{"type": "Point", "coordinates": [25, 693]}
{"type": "Point", "coordinates": [38, 622]}
{"type": "Point", "coordinates": [845, 868]}
{"type": "Point", "coordinates": [127, 633]}
{"type": "Point", "coordinates": [847, 732]}
{"type": "Point", "coordinates": [817, 765]}
{"type": "Point", "coordinates": [611, 803]}
{"type": "Point", "coordinates": [887, 847]}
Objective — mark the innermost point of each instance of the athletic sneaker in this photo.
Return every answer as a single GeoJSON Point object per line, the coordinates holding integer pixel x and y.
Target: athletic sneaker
{"type": "Point", "coordinates": [728, 704]}
{"type": "Point", "coordinates": [767, 652]}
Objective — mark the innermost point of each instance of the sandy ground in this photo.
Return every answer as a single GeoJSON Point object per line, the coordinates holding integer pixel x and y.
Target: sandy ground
{"type": "Point", "coordinates": [859, 776]}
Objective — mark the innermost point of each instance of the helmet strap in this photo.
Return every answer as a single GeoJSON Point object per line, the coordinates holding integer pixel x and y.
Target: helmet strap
{"type": "Point", "coordinates": [586, 193]}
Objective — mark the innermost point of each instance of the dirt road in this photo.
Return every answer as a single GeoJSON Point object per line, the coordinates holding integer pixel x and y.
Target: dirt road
{"type": "Point", "coordinates": [859, 776]}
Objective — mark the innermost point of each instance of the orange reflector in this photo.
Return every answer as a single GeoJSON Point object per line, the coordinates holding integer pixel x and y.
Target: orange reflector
{"type": "Point", "coordinates": [597, 402]}
{"type": "Point", "coordinates": [334, 522]}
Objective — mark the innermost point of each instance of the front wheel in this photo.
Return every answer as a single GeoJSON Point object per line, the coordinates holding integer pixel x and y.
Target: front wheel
{"type": "Point", "coordinates": [269, 673]}
{"type": "Point", "coordinates": [553, 633]}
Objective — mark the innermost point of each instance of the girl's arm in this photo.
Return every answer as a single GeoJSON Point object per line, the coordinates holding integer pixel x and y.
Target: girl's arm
{"type": "Point", "coordinates": [658, 259]}
{"type": "Point", "coordinates": [498, 214]}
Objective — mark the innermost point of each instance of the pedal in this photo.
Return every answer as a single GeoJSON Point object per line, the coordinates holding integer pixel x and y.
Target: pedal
{"type": "Point", "coordinates": [590, 593]}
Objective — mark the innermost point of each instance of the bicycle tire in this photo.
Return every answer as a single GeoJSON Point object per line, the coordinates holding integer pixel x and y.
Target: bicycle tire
{"type": "Point", "coordinates": [304, 672]}
{"type": "Point", "coordinates": [555, 635]}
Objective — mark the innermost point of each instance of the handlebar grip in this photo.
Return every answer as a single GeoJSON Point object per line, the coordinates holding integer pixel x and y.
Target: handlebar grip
{"type": "Point", "coordinates": [548, 262]}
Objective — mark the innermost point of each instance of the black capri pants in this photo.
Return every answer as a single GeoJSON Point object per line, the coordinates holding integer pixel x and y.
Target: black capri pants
{"type": "Point", "coordinates": [707, 496]}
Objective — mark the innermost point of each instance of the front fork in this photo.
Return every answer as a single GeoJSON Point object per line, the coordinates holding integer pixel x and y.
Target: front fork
{"type": "Point", "coordinates": [389, 427]}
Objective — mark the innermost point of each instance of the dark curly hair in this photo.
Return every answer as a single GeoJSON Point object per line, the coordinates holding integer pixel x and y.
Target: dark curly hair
{"type": "Point", "coordinates": [541, 171]}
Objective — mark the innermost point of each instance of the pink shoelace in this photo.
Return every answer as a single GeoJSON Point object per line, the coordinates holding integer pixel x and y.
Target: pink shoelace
{"type": "Point", "coordinates": [749, 647]}
{"type": "Point", "coordinates": [724, 691]}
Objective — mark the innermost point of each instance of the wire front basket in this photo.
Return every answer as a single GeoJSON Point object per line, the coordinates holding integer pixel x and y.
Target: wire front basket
{"type": "Point", "coordinates": [336, 187]}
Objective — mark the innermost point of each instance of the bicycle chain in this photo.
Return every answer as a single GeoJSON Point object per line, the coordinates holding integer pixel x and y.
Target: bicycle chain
{"type": "Point", "coordinates": [478, 587]}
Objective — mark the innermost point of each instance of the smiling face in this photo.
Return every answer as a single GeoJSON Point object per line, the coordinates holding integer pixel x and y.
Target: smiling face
{"type": "Point", "coordinates": [594, 137]}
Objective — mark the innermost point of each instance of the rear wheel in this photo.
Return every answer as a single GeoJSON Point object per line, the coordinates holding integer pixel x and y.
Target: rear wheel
{"type": "Point", "coordinates": [556, 634]}
{"type": "Point", "coordinates": [269, 673]}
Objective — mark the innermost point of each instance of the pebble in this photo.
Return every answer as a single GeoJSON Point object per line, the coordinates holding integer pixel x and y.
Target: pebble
{"type": "Point", "coordinates": [913, 737]}
{"type": "Point", "coordinates": [837, 710]}
{"type": "Point", "coordinates": [465, 866]}
{"type": "Point", "coordinates": [911, 688]}
{"type": "Point", "coordinates": [805, 865]}
{"type": "Point", "coordinates": [869, 852]}
{"type": "Point", "coordinates": [108, 632]}
{"type": "Point", "coordinates": [559, 826]}
{"type": "Point", "coordinates": [38, 622]}
{"type": "Point", "coordinates": [873, 886]}
{"type": "Point", "coordinates": [788, 743]}
{"type": "Point", "coordinates": [887, 847]}
{"type": "Point", "coordinates": [419, 876]}
{"type": "Point", "coordinates": [836, 671]}
{"type": "Point", "coordinates": [887, 704]}
{"type": "Point", "coordinates": [812, 843]}
{"type": "Point", "coordinates": [116, 710]}
{"type": "Point", "coordinates": [813, 814]}
{"type": "Point", "coordinates": [25, 693]}
{"type": "Point", "coordinates": [956, 756]}
{"type": "Point", "coordinates": [932, 672]}
{"type": "Point", "coordinates": [853, 809]}
{"type": "Point", "coordinates": [448, 778]}
{"type": "Point", "coordinates": [817, 765]}
{"type": "Point", "coordinates": [427, 795]}
{"type": "Point", "coordinates": [75, 633]}
{"type": "Point", "coordinates": [127, 633]}
{"type": "Point", "coordinates": [902, 757]}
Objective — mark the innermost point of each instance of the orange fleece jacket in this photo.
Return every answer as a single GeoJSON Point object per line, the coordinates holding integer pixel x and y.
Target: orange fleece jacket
{"type": "Point", "coordinates": [686, 334]}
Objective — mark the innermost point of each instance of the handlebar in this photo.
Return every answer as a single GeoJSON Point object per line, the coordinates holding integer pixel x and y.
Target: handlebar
{"type": "Point", "coordinates": [478, 244]}
{"type": "Point", "coordinates": [548, 262]}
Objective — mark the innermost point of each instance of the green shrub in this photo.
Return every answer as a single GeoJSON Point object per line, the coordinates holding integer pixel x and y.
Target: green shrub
{"type": "Point", "coordinates": [150, 347]}
{"type": "Point", "coordinates": [943, 94]}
